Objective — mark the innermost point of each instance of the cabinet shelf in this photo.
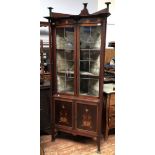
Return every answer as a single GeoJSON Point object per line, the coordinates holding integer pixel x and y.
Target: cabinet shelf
{"type": "Point", "coordinates": [81, 73]}
{"type": "Point", "coordinates": [65, 50]}
{"type": "Point", "coordinates": [65, 72]}
{"type": "Point", "coordinates": [88, 74]}
{"type": "Point", "coordinates": [90, 49]}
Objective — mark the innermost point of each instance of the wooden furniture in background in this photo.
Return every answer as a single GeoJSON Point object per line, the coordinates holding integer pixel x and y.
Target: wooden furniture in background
{"type": "Point", "coordinates": [44, 51]}
{"type": "Point", "coordinates": [108, 109]}
{"type": "Point", "coordinates": [45, 110]}
{"type": "Point", "coordinates": [109, 54]}
{"type": "Point", "coordinates": [77, 52]}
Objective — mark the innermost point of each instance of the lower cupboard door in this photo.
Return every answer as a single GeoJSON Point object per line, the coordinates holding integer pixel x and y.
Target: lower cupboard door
{"type": "Point", "coordinates": [86, 117]}
{"type": "Point", "coordinates": [63, 113]}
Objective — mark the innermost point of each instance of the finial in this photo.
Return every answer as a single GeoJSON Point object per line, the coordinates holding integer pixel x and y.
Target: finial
{"type": "Point", "coordinates": [50, 11]}
{"type": "Point", "coordinates": [84, 12]}
{"type": "Point", "coordinates": [85, 5]}
{"type": "Point", "coordinates": [107, 3]}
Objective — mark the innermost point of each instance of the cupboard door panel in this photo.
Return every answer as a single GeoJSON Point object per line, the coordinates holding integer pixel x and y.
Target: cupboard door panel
{"type": "Point", "coordinates": [63, 113]}
{"type": "Point", "coordinates": [86, 117]}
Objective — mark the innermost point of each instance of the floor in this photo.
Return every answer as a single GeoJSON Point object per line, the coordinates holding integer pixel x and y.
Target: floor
{"type": "Point", "coordinates": [76, 145]}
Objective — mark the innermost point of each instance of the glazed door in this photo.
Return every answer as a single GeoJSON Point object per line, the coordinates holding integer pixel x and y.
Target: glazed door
{"type": "Point", "coordinates": [65, 49]}
{"type": "Point", "coordinates": [89, 60]}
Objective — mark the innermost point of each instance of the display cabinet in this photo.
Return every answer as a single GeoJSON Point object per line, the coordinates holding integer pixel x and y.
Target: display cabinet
{"type": "Point", "coordinates": [77, 61]}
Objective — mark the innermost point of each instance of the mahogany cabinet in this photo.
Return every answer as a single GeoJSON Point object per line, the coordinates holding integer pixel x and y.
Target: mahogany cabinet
{"type": "Point", "coordinates": [77, 67]}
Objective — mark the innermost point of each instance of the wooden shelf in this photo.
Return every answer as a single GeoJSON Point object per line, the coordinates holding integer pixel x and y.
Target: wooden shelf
{"type": "Point", "coordinates": [81, 73]}
{"type": "Point", "coordinates": [65, 50]}
{"type": "Point", "coordinates": [84, 49]}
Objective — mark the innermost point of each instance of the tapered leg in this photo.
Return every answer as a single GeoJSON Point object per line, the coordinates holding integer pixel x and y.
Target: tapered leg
{"type": "Point", "coordinates": [98, 145]}
{"type": "Point", "coordinates": [53, 134]}
{"type": "Point", "coordinates": [106, 134]}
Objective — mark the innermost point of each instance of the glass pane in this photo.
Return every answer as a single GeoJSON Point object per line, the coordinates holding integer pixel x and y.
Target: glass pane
{"type": "Point", "coordinates": [94, 67]}
{"type": "Point", "coordinates": [84, 86]}
{"type": "Point", "coordinates": [69, 55]}
{"type": "Point", "coordinates": [65, 59]}
{"type": "Point", "coordinates": [93, 88]}
{"type": "Point", "coordinates": [96, 35]}
{"type": "Point", "coordinates": [84, 66]}
{"type": "Point", "coordinates": [84, 55]}
{"type": "Point", "coordinates": [89, 86]}
{"type": "Point", "coordinates": [90, 42]}
{"type": "Point", "coordinates": [85, 37]}
{"type": "Point", "coordinates": [69, 84]}
{"type": "Point", "coordinates": [69, 66]}
{"type": "Point", "coordinates": [60, 40]}
{"type": "Point", "coordinates": [60, 83]}
{"type": "Point", "coordinates": [69, 38]}
{"type": "Point", "coordinates": [60, 55]}
{"type": "Point", "coordinates": [61, 66]}
{"type": "Point", "coordinates": [95, 55]}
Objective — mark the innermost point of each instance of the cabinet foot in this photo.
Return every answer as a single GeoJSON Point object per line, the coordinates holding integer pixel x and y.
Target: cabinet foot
{"type": "Point", "coordinates": [99, 152]}
{"type": "Point", "coordinates": [98, 145]}
{"type": "Point", "coordinates": [52, 138]}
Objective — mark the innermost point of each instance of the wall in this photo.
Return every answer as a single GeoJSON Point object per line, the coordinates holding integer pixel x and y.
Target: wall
{"type": "Point", "coordinates": [75, 6]}
{"type": "Point", "coordinates": [110, 21]}
{"type": "Point", "coordinates": [66, 6]}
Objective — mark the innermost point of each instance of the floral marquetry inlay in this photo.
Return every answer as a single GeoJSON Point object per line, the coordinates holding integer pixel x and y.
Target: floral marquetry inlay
{"type": "Point", "coordinates": [86, 119]}
{"type": "Point", "coordinates": [63, 116]}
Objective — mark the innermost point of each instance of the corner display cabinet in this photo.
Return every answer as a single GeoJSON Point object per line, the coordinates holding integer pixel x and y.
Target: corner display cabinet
{"type": "Point", "coordinates": [77, 58]}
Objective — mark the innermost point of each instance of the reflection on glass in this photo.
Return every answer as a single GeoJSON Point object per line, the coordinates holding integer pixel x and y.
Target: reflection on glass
{"type": "Point", "coordinates": [84, 66]}
{"type": "Point", "coordinates": [65, 38]}
{"type": "Point", "coordinates": [89, 86]}
{"type": "Point", "coordinates": [61, 83]}
{"type": "Point", "coordinates": [65, 59]}
{"type": "Point", "coordinates": [90, 37]}
{"type": "Point", "coordinates": [84, 55]}
{"type": "Point", "coordinates": [90, 43]}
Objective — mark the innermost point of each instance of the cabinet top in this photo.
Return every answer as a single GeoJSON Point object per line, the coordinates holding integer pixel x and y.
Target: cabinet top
{"type": "Point", "coordinates": [109, 88]}
{"type": "Point", "coordinates": [83, 14]}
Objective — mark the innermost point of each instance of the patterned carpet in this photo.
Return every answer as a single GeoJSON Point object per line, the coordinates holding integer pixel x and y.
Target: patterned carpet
{"type": "Point", "coordinates": [75, 145]}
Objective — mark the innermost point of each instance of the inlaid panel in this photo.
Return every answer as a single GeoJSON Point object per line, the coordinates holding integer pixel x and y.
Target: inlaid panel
{"type": "Point", "coordinates": [63, 113]}
{"type": "Point", "coordinates": [86, 117]}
